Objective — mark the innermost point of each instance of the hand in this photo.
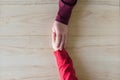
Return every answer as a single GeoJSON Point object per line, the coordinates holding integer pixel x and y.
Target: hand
{"type": "Point", "coordinates": [59, 35]}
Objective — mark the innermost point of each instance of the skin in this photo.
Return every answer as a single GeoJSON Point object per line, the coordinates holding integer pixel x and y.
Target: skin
{"type": "Point", "coordinates": [59, 35]}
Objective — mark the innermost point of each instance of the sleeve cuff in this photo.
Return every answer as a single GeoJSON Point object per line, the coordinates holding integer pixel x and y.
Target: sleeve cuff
{"type": "Point", "coordinates": [64, 12]}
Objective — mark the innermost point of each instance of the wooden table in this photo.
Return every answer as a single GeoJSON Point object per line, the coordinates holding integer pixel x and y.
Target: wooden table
{"type": "Point", "coordinates": [25, 40]}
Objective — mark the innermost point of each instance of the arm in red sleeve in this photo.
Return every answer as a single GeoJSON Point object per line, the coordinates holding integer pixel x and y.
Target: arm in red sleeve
{"type": "Point", "coordinates": [65, 65]}
{"type": "Point", "coordinates": [65, 10]}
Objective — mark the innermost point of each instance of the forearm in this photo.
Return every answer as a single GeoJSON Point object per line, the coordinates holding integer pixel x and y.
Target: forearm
{"type": "Point", "coordinates": [65, 10]}
{"type": "Point", "coordinates": [65, 65]}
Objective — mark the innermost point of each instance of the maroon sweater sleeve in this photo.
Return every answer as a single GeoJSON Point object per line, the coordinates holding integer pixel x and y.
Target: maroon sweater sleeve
{"type": "Point", "coordinates": [65, 10]}
{"type": "Point", "coordinates": [65, 65]}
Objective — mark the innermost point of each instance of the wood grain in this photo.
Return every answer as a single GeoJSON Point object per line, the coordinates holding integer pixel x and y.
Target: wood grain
{"type": "Point", "coordinates": [25, 40]}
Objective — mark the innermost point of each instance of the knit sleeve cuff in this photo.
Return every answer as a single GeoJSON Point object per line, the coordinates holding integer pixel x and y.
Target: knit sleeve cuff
{"type": "Point", "coordinates": [65, 10]}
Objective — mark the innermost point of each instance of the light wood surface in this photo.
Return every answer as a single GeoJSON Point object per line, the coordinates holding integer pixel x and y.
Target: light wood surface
{"type": "Point", "coordinates": [25, 40]}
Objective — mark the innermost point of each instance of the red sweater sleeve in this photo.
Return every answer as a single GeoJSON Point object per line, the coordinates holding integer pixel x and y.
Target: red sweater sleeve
{"type": "Point", "coordinates": [65, 10]}
{"type": "Point", "coordinates": [65, 65]}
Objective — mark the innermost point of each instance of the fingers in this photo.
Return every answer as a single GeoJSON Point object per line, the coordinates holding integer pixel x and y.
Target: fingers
{"type": "Point", "coordinates": [53, 40]}
{"type": "Point", "coordinates": [58, 40]}
{"type": "Point", "coordinates": [65, 41]}
{"type": "Point", "coordinates": [53, 37]}
{"type": "Point", "coordinates": [62, 42]}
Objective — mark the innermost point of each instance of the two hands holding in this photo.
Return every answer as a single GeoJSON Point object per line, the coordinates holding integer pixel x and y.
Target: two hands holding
{"type": "Point", "coordinates": [59, 35]}
{"type": "Point", "coordinates": [64, 61]}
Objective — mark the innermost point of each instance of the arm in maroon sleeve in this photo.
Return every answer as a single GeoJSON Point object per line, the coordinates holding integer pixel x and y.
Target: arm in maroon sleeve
{"type": "Point", "coordinates": [65, 65]}
{"type": "Point", "coordinates": [65, 10]}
